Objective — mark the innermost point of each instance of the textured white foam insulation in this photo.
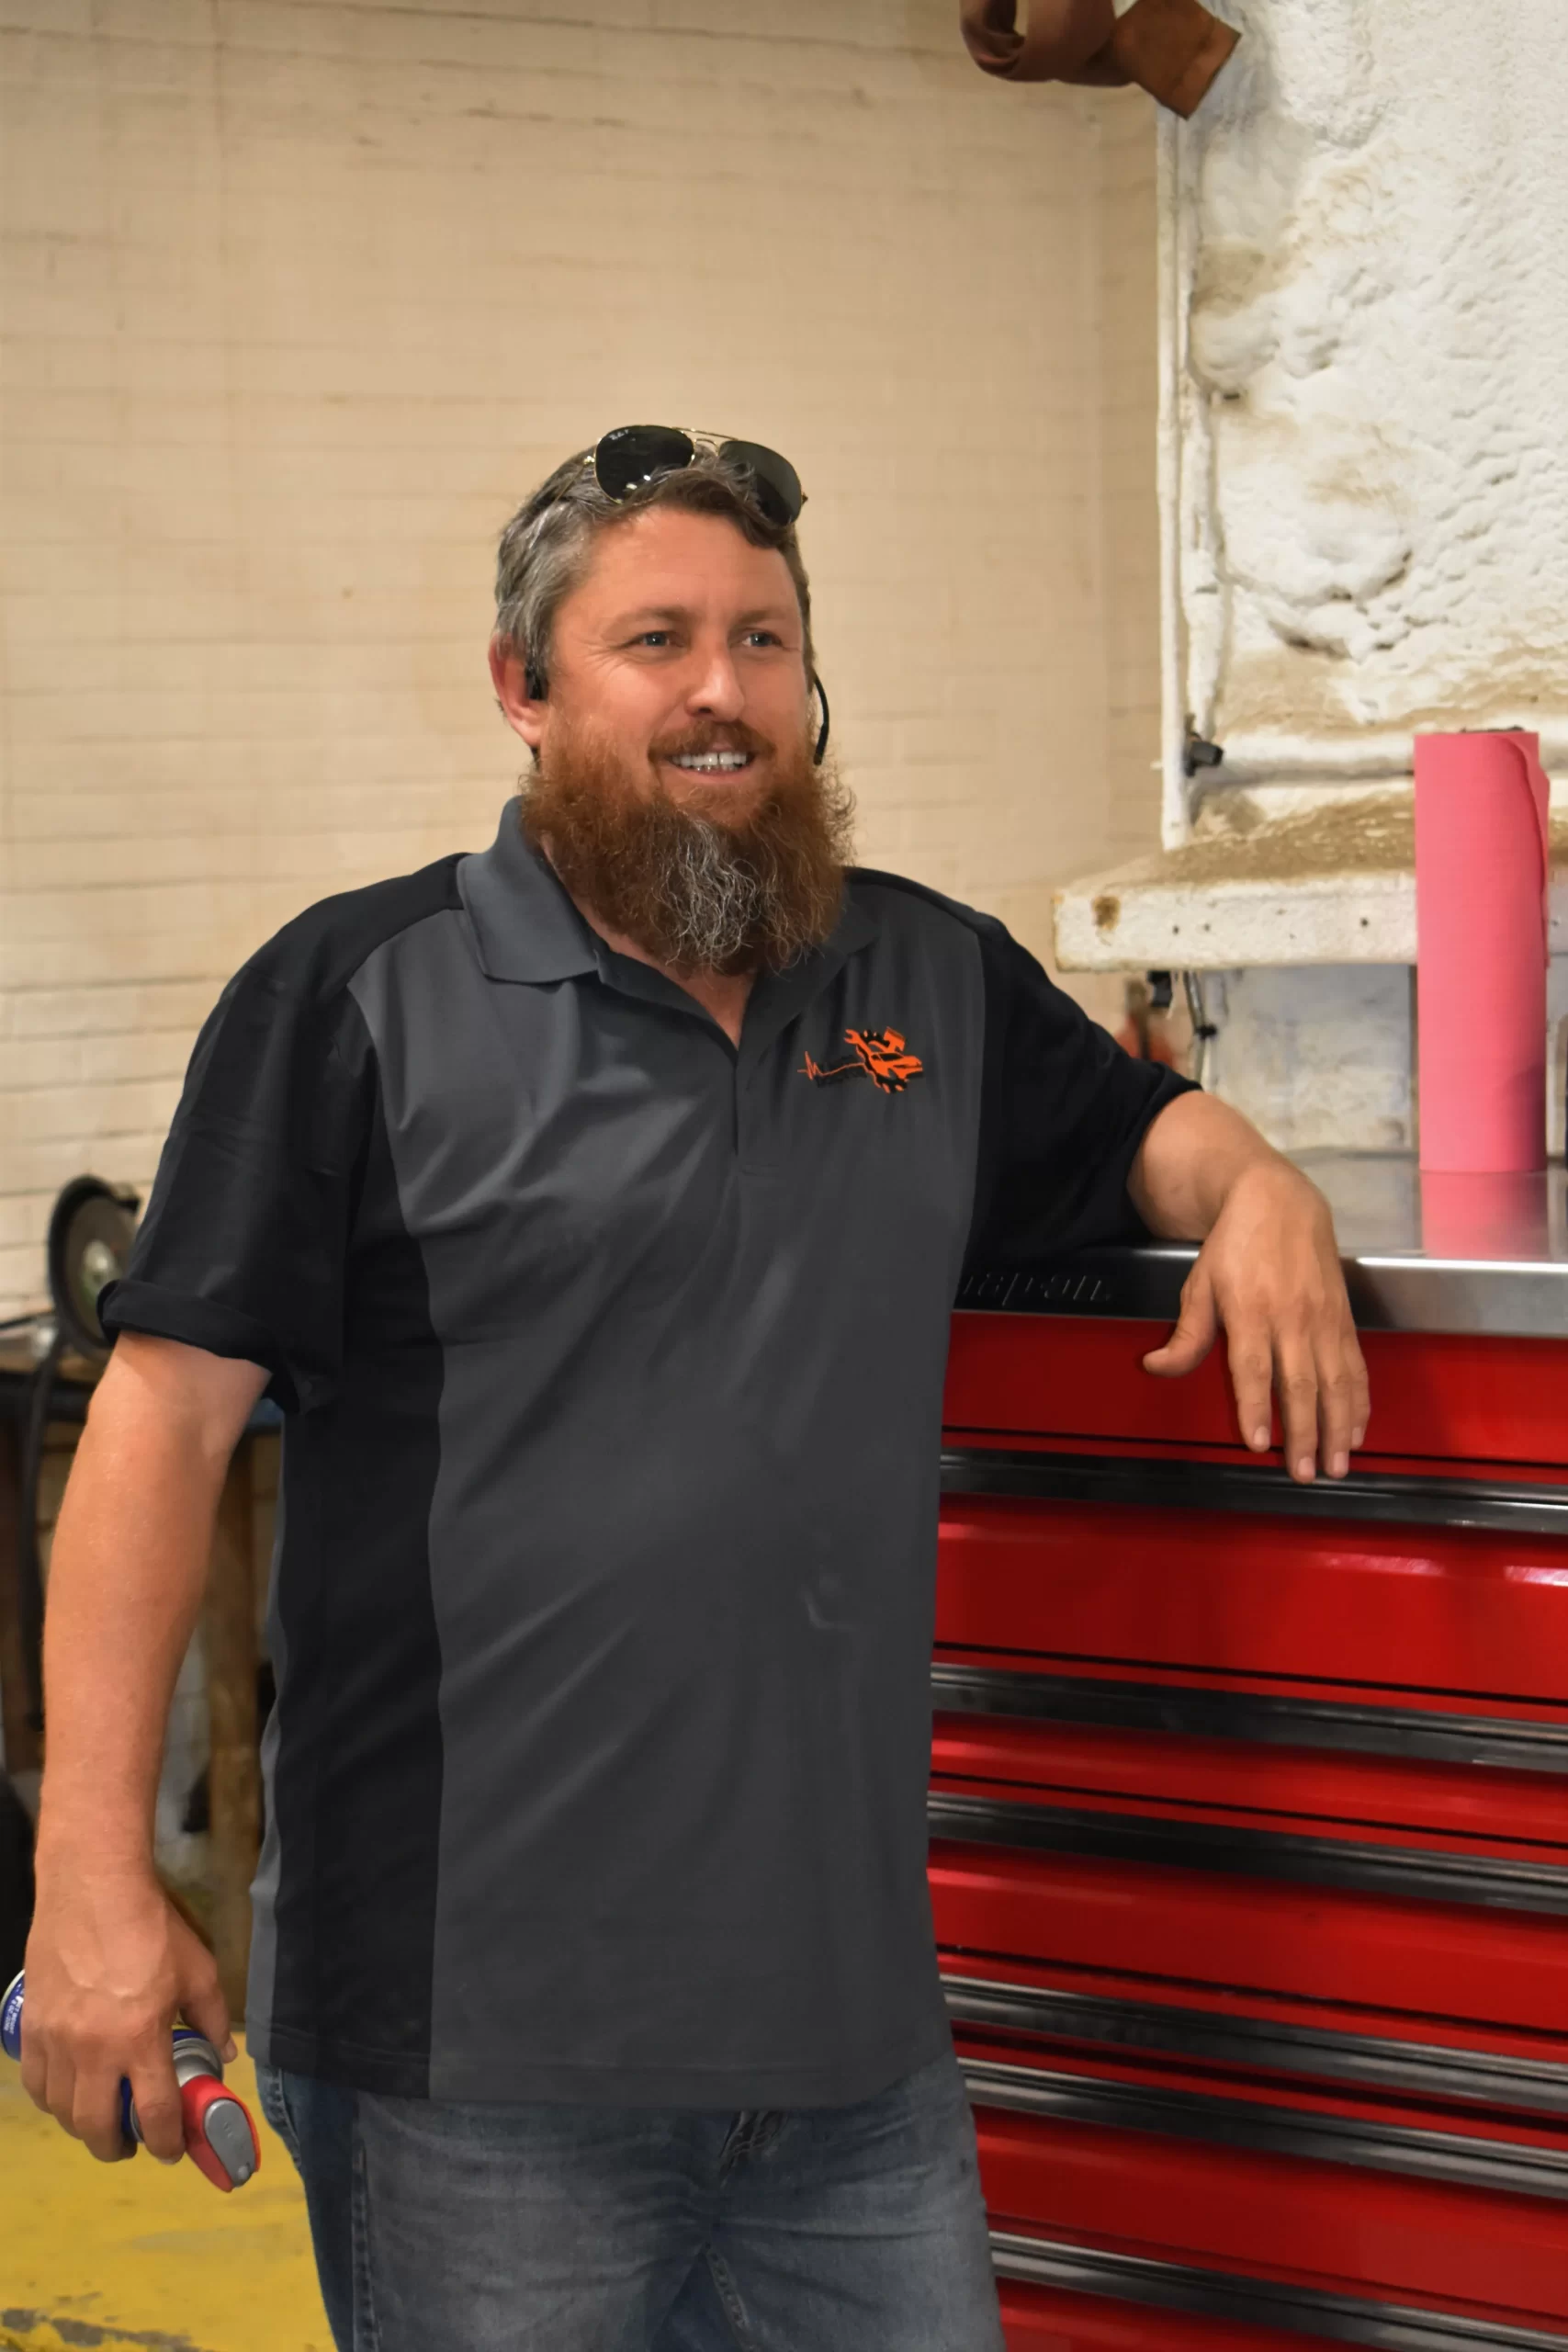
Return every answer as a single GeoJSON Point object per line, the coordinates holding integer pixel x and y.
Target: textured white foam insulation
{"type": "Point", "coordinates": [1366, 321]}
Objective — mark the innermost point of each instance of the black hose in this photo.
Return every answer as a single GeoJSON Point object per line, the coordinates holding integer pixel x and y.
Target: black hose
{"type": "Point", "coordinates": [29, 1578]}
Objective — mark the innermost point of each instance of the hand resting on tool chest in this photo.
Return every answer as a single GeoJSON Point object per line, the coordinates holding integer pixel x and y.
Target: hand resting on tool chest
{"type": "Point", "coordinates": [1268, 1274]}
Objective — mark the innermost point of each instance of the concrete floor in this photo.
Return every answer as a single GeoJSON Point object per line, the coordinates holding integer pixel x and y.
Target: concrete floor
{"type": "Point", "coordinates": [130, 2254]}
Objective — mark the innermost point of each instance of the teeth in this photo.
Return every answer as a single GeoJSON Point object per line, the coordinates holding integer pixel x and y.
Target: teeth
{"type": "Point", "coordinates": [713, 762]}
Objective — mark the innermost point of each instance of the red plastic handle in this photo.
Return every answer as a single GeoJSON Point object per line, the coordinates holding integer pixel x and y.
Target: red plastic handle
{"type": "Point", "coordinates": [196, 2097]}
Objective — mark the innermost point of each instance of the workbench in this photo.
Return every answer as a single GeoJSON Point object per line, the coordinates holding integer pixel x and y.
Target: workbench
{"type": "Point", "coordinates": [1250, 1802]}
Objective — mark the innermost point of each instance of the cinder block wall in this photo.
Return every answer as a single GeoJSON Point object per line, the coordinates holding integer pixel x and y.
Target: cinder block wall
{"type": "Point", "coordinates": [298, 299]}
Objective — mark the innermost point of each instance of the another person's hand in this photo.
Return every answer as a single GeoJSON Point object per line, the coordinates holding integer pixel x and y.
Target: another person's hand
{"type": "Point", "coordinates": [110, 1965]}
{"type": "Point", "coordinates": [1269, 1274]}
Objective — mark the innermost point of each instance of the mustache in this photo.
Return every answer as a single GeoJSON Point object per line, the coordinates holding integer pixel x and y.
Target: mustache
{"type": "Point", "coordinates": [713, 735]}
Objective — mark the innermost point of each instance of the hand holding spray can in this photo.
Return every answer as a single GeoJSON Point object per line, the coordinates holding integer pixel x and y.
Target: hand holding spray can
{"type": "Point", "coordinates": [221, 2139]}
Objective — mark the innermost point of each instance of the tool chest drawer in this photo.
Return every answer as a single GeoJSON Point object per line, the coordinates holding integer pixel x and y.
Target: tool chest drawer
{"type": "Point", "coordinates": [1249, 1859]}
{"type": "Point", "coordinates": [1437, 1396]}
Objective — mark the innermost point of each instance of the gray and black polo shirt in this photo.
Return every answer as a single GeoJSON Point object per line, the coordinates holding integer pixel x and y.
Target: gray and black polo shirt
{"type": "Point", "coordinates": [612, 1361]}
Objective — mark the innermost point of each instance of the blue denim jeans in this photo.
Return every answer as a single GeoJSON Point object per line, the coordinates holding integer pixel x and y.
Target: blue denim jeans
{"type": "Point", "coordinates": [443, 2227]}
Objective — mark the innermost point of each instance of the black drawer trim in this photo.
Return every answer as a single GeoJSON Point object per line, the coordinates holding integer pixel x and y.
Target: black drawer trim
{"type": "Point", "coordinates": [1519, 1507]}
{"type": "Point", "coordinates": [1204, 1713]}
{"type": "Point", "coordinates": [1419, 1874]}
{"type": "Point", "coordinates": [1420, 2069]}
{"type": "Point", "coordinates": [1413, 2150]}
{"type": "Point", "coordinates": [1264, 2303]}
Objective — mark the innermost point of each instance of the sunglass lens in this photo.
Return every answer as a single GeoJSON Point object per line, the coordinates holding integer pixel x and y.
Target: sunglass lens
{"type": "Point", "coordinates": [776, 485]}
{"type": "Point", "coordinates": [635, 454]}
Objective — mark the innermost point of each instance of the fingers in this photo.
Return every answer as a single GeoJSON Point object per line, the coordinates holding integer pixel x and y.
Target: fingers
{"type": "Point", "coordinates": [156, 2091]}
{"type": "Point", "coordinates": [1195, 1333]}
{"type": "Point", "coordinates": [1251, 1354]}
{"type": "Point", "coordinates": [35, 2067]}
{"type": "Point", "coordinates": [81, 2093]}
{"type": "Point", "coordinates": [1344, 1404]}
{"type": "Point", "coordinates": [97, 2114]}
{"type": "Point", "coordinates": [1296, 1380]}
{"type": "Point", "coordinates": [1322, 1387]}
{"type": "Point", "coordinates": [80, 2086]}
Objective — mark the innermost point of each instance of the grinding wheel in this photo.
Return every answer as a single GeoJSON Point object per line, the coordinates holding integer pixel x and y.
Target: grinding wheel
{"type": "Point", "coordinates": [90, 1232]}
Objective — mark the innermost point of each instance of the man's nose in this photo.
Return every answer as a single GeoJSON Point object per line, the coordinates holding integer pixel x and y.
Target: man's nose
{"type": "Point", "coordinates": [715, 691]}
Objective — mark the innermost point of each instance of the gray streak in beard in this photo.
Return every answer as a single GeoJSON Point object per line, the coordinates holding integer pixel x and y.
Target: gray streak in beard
{"type": "Point", "coordinates": [716, 895]}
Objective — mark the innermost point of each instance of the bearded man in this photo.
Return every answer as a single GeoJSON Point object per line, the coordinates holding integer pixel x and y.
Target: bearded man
{"type": "Point", "coordinates": [593, 1208]}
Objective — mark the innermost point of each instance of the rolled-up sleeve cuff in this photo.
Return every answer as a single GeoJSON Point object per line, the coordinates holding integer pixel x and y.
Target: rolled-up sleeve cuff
{"type": "Point", "coordinates": [200, 1323]}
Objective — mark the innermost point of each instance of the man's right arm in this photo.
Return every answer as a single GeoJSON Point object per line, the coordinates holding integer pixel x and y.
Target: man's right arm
{"type": "Point", "coordinates": [109, 1963]}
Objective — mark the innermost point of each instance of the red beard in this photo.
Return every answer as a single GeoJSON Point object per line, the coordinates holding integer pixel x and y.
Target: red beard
{"type": "Point", "coordinates": [695, 892]}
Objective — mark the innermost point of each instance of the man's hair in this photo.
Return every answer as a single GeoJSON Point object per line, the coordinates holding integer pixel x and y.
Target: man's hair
{"type": "Point", "coordinates": [545, 548]}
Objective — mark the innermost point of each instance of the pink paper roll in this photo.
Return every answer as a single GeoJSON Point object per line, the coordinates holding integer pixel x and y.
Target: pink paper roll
{"type": "Point", "coordinates": [1481, 915]}
{"type": "Point", "coordinates": [1498, 1214]}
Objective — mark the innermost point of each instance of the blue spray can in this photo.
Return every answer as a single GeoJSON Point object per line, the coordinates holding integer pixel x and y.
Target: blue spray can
{"type": "Point", "coordinates": [221, 2139]}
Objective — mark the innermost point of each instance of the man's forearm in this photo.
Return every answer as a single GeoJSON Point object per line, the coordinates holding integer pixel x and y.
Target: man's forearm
{"type": "Point", "coordinates": [109, 1964]}
{"type": "Point", "coordinates": [126, 1579]}
{"type": "Point", "coordinates": [1190, 1161]}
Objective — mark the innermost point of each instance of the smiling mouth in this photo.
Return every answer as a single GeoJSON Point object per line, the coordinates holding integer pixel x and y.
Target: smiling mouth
{"type": "Point", "coordinates": [711, 762]}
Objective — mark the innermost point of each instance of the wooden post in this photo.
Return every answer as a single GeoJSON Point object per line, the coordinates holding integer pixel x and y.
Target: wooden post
{"type": "Point", "coordinates": [24, 1750]}
{"type": "Point", "coordinates": [229, 1628]}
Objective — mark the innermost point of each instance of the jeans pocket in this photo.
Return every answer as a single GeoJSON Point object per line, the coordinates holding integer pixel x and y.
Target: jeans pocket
{"type": "Point", "coordinates": [273, 2093]}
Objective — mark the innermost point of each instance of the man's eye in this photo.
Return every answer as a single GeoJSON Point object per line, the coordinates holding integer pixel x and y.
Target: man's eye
{"type": "Point", "coordinates": [652, 636]}
{"type": "Point", "coordinates": [762, 637]}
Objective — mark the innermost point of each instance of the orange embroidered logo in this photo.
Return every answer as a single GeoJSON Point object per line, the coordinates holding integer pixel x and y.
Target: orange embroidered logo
{"type": "Point", "coordinates": [879, 1055]}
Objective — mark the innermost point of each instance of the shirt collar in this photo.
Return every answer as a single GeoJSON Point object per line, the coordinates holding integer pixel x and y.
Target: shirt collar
{"type": "Point", "coordinates": [527, 928]}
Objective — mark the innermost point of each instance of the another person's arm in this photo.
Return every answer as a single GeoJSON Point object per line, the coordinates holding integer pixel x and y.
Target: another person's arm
{"type": "Point", "coordinates": [1269, 1272]}
{"type": "Point", "coordinates": [109, 1963]}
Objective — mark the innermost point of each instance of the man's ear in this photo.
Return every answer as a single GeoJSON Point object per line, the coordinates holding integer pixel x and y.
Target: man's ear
{"type": "Point", "coordinates": [519, 691]}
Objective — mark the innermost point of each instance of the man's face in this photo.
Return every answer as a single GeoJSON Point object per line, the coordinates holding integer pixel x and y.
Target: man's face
{"type": "Point", "coordinates": [680, 654]}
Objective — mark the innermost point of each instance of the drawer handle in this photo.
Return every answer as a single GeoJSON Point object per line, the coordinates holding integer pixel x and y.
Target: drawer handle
{"type": "Point", "coordinates": [1519, 1507]}
{"type": "Point", "coordinates": [1191, 1711]}
{"type": "Point", "coordinates": [1305, 2310]}
{"type": "Point", "coordinates": [1419, 2069]}
{"type": "Point", "coordinates": [1419, 1874]}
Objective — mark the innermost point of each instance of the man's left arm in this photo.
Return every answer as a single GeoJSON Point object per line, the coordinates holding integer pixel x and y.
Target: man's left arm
{"type": "Point", "coordinates": [1267, 1273]}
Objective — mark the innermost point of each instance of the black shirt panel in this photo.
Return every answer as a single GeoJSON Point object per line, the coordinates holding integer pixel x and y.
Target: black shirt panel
{"type": "Point", "coordinates": [244, 1247]}
{"type": "Point", "coordinates": [1062, 1107]}
{"type": "Point", "coordinates": [344, 1953]}
{"type": "Point", "coordinates": [1063, 1113]}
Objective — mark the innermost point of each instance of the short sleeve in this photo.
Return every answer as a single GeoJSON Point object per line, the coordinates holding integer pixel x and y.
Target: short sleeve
{"type": "Point", "coordinates": [1063, 1110]}
{"type": "Point", "coordinates": [243, 1248]}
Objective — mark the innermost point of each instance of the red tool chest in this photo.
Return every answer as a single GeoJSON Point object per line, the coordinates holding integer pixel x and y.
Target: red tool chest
{"type": "Point", "coordinates": [1249, 1817]}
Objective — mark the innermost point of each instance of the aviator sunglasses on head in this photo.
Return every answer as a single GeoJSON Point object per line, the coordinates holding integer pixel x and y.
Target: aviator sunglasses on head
{"type": "Point", "coordinates": [634, 455]}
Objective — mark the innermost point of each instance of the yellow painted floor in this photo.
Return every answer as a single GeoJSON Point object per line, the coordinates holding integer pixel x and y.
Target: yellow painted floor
{"type": "Point", "coordinates": [113, 2255]}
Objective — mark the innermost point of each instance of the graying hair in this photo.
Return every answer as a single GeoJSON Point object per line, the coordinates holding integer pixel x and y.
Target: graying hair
{"type": "Point", "coordinates": [545, 548]}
